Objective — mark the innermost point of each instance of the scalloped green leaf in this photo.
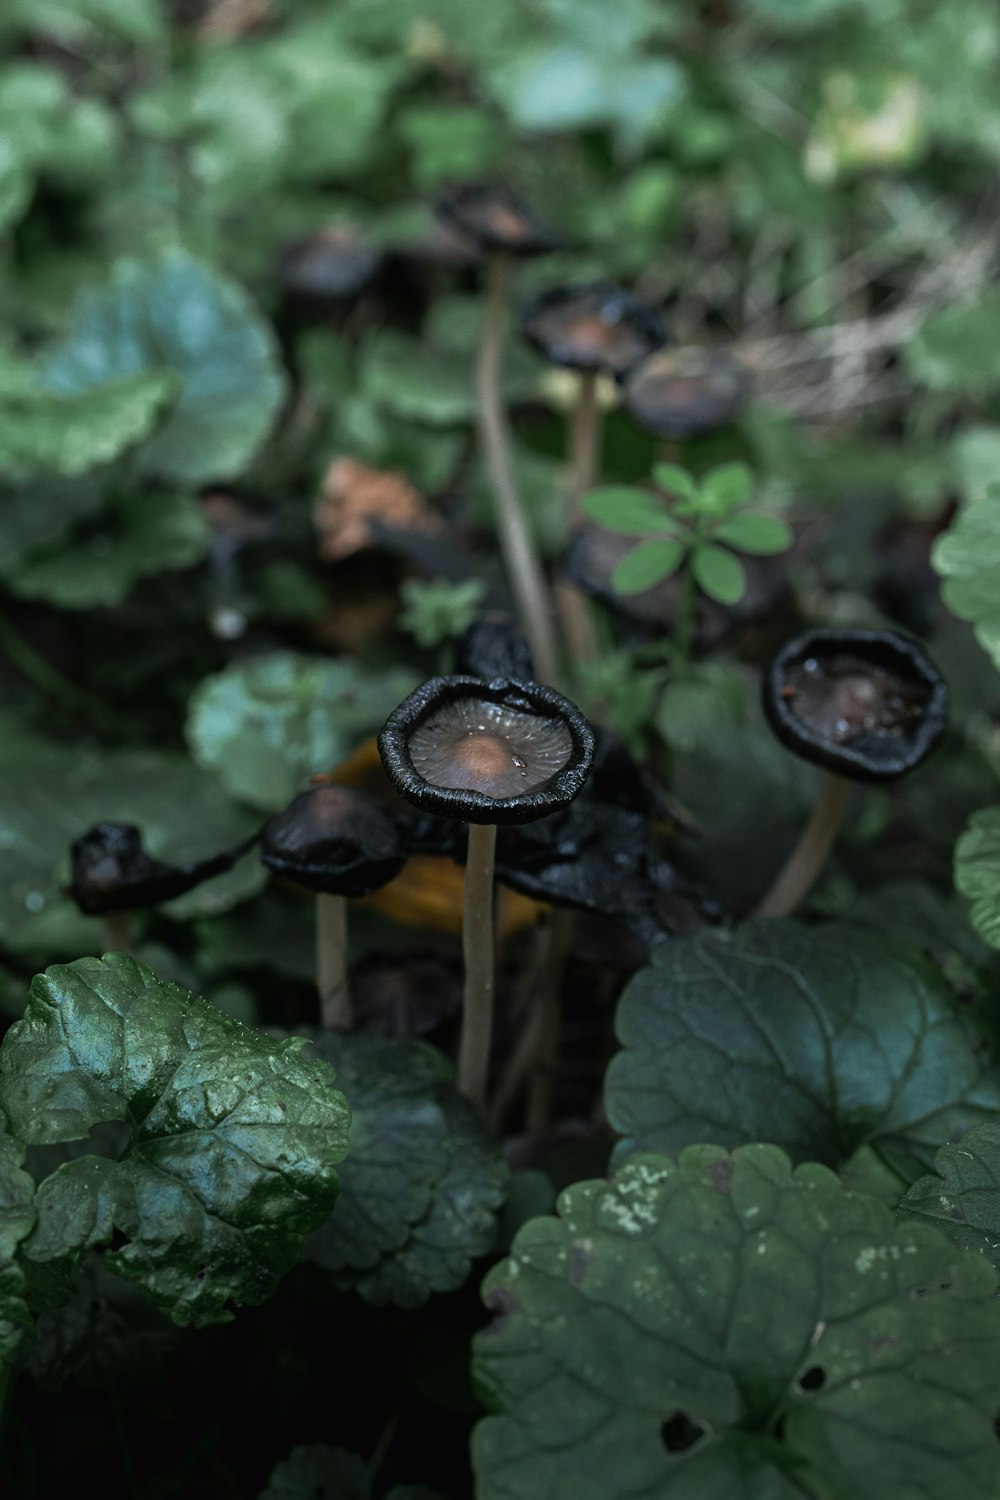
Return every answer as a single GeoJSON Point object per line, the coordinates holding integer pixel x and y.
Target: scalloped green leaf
{"type": "Point", "coordinates": [157, 534]}
{"type": "Point", "coordinates": [54, 792]}
{"type": "Point", "coordinates": [70, 433]}
{"type": "Point", "coordinates": [425, 1181]}
{"type": "Point", "coordinates": [17, 1219]}
{"type": "Point", "coordinates": [958, 348]}
{"type": "Point", "coordinates": [266, 723]}
{"type": "Point", "coordinates": [977, 872]}
{"type": "Point", "coordinates": [965, 557]}
{"type": "Point", "coordinates": [962, 1195]}
{"type": "Point", "coordinates": [181, 316]}
{"type": "Point", "coordinates": [37, 515]}
{"type": "Point", "coordinates": [233, 1137]}
{"type": "Point", "coordinates": [636, 1352]}
{"type": "Point", "coordinates": [817, 1038]}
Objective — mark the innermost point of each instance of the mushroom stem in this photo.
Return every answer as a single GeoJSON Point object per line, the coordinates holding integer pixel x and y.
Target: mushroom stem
{"type": "Point", "coordinates": [541, 1087]}
{"type": "Point", "coordinates": [331, 962]}
{"type": "Point", "coordinates": [477, 949]}
{"type": "Point", "coordinates": [116, 931]}
{"type": "Point", "coordinates": [798, 875]}
{"type": "Point", "coordinates": [584, 443]}
{"type": "Point", "coordinates": [521, 561]}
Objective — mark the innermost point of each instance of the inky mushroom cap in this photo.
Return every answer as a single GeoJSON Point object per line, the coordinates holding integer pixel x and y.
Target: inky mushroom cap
{"type": "Point", "coordinates": [867, 704]}
{"type": "Point", "coordinates": [111, 871]}
{"type": "Point", "coordinates": [336, 840]}
{"type": "Point", "coordinates": [496, 219]}
{"type": "Point", "coordinates": [494, 646]}
{"type": "Point", "coordinates": [678, 393]}
{"type": "Point", "coordinates": [593, 325]}
{"type": "Point", "coordinates": [505, 751]}
{"type": "Point", "coordinates": [333, 265]}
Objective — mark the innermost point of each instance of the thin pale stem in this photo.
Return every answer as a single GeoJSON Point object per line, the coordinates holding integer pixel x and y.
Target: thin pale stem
{"type": "Point", "coordinates": [800, 871]}
{"type": "Point", "coordinates": [331, 962]}
{"type": "Point", "coordinates": [584, 448]}
{"type": "Point", "coordinates": [477, 949]}
{"type": "Point", "coordinates": [541, 1087]}
{"type": "Point", "coordinates": [517, 546]}
{"type": "Point", "coordinates": [116, 931]}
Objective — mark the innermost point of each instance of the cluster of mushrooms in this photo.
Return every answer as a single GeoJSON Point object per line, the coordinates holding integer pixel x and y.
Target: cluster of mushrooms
{"type": "Point", "coordinates": [493, 765]}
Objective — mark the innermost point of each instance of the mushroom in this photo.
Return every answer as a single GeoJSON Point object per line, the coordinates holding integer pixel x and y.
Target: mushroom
{"type": "Point", "coordinates": [506, 229]}
{"type": "Point", "coordinates": [485, 753]}
{"type": "Point", "coordinates": [592, 327]}
{"type": "Point", "coordinates": [111, 874]}
{"type": "Point", "coordinates": [329, 268]}
{"type": "Point", "coordinates": [678, 393]}
{"type": "Point", "coordinates": [338, 842]}
{"type": "Point", "coordinates": [493, 646]}
{"type": "Point", "coordinates": [866, 705]}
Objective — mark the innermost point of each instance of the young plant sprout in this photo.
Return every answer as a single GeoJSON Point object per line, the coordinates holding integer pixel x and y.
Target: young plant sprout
{"type": "Point", "coordinates": [866, 705]}
{"type": "Point", "coordinates": [679, 393]}
{"type": "Point", "coordinates": [506, 229]}
{"type": "Point", "coordinates": [593, 328]}
{"type": "Point", "coordinates": [111, 875]}
{"type": "Point", "coordinates": [485, 754]}
{"type": "Point", "coordinates": [337, 842]}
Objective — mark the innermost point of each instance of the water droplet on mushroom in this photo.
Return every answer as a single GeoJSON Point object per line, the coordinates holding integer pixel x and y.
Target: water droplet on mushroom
{"type": "Point", "coordinates": [521, 764]}
{"type": "Point", "coordinates": [842, 728]}
{"type": "Point", "coordinates": [810, 665]}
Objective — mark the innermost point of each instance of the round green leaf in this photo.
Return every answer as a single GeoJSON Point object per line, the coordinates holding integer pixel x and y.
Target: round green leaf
{"type": "Point", "coordinates": [53, 793]}
{"type": "Point", "coordinates": [962, 1196]}
{"type": "Point", "coordinates": [719, 573]}
{"type": "Point", "coordinates": [966, 559]}
{"type": "Point", "coordinates": [977, 872]}
{"type": "Point", "coordinates": [752, 532]}
{"type": "Point", "coordinates": [232, 1136]}
{"type": "Point", "coordinates": [70, 433]}
{"type": "Point", "coordinates": [267, 722]}
{"type": "Point", "coordinates": [728, 1329]}
{"type": "Point", "coordinates": [425, 1180]}
{"type": "Point", "coordinates": [646, 565]}
{"type": "Point", "coordinates": [181, 316]}
{"type": "Point", "coordinates": [817, 1038]}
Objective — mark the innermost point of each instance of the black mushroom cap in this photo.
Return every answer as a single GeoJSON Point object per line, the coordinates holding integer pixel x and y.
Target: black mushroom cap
{"type": "Point", "coordinates": [494, 646]}
{"type": "Point", "coordinates": [678, 393]}
{"type": "Point", "coordinates": [496, 219]}
{"type": "Point", "coordinates": [505, 751]}
{"type": "Point", "coordinates": [336, 840]}
{"type": "Point", "coordinates": [867, 704]}
{"type": "Point", "coordinates": [334, 264]}
{"type": "Point", "coordinates": [111, 871]}
{"type": "Point", "coordinates": [593, 325]}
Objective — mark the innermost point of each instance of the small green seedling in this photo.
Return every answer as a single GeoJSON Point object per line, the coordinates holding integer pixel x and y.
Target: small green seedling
{"type": "Point", "coordinates": [439, 611]}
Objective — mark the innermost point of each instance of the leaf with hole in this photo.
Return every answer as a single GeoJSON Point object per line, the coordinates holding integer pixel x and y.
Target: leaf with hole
{"type": "Point", "coordinates": [820, 1039]}
{"type": "Point", "coordinates": [636, 1354]}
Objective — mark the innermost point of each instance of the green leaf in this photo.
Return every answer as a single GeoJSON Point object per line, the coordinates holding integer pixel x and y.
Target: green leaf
{"type": "Point", "coordinates": [17, 1219]}
{"type": "Point", "coordinates": [157, 534]}
{"type": "Point", "coordinates": [319, 1470]}
{"type": "Point", "coordinates": [958, 348]}
{"type": "Point", "coordinates": [55, 792]}
{"type": "Point", "coordinates": [691, 709]}
{"type": "Point", "coordinates": [72, 433]}
{"type": "Point", "coordinates": [425, 1181]}
{"type": "Point", "coordinates": [181, 316]}
{"type": "Point", "coordinates": [421, 383]}
{"type": "Point", "coordinates": [962, 1197]}
{"type": "Point", "coordinates": [647, 564]}
{"type": "Point", "coordinates": [637, 1353]}
{"type": "Point", "coordinates": [817, 1038]}
{"type": "Point", "coordinates": [966, 559]}
{"type": "Point", "coordinates": [974, 456]}
{"type": "Point", "coordinates": [719, 573]}
{"type": "Point", "coordinates": [977, 872]}
{"type": "Point", "coordinates": [752, 532]}
{"type": "Point", "coordinates": [233, 1137]}
{"type": "Point", "coordinates": [38, 513]}
{"type": "Point", "coordinates": [267, 722]}
{"type": "Point", "coordinates": [630, 512]}
{"type": "Point", "coordinates": [725, 488]}
{"type": "Point", "coordinates": [676, 481]}
{"type": "Point", "coordinates": [436, 610]}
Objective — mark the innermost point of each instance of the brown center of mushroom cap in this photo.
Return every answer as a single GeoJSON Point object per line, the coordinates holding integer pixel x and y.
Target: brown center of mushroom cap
{"type": "Point", "coordinates": [845, 698]}
{"type": "Point", "coordinates": [475, 746]}
{"type": "Point", "coordinates": [503, 220]}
